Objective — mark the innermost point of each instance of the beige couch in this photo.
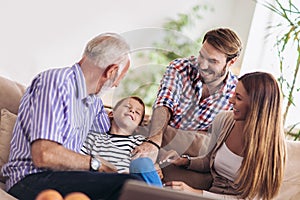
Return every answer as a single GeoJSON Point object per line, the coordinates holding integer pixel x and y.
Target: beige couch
{"type": "Point", "coordinates": [10, 95]}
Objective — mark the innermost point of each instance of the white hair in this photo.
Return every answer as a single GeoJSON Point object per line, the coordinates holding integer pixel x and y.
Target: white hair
{"type": "Point", "coordinates": [106, 49]}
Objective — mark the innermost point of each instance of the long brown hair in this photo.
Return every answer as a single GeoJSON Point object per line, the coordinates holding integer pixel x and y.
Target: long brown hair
{"type": "Point", "coordinates": [262, 169]}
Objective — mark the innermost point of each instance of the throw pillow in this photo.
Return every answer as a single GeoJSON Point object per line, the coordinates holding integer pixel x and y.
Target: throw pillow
{"type": "Point", "coordinates": [7, 122]}
{"type": "Point", "coordinates": [10, 93]}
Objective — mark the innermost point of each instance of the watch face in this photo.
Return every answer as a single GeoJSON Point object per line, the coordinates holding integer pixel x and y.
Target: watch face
{"type": "Point", "coordinates": [95, 164]}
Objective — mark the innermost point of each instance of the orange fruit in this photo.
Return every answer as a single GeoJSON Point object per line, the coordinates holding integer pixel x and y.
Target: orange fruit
{"type": "Point", "coordinates": [77, 196]}
{"type": "Point", "coordinates": [49, 194]}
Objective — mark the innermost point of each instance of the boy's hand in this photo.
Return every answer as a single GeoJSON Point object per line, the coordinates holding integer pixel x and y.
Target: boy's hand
{"type": "Point", "coordinates": [158, 170]}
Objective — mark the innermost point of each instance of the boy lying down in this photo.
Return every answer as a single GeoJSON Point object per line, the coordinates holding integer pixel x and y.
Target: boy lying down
{"type": "Point", "coordinates": [116, 145]}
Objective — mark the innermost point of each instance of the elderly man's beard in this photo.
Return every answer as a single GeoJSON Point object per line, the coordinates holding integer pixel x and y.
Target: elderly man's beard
{"type": "Point", "coordinates": [107, 85]}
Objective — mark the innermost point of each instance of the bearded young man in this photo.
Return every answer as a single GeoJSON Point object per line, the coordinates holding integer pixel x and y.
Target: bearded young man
{"type": "Point", "coordinates": [192, 92]}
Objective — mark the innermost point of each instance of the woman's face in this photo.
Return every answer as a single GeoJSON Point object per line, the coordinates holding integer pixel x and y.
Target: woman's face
{"type": "Point", "coordinates": [241, 102]}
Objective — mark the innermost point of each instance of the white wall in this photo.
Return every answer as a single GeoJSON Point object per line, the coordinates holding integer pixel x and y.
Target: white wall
{"type": "Point", "coordinates": [38, 35]}
{"type": "Point", "coordinates": [261, 55]}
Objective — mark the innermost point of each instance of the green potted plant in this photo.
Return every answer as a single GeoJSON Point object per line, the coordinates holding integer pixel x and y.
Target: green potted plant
{"type": "Point", "coordinates": [176, 42]}
{"type": "Point", "coordinates": [287, 34]}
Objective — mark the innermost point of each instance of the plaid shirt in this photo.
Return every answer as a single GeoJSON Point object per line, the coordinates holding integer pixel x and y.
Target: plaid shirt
{"type": "Point", "coordinates": [181, 90]}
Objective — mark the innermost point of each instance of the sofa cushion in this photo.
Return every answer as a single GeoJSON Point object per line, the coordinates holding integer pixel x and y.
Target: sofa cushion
{"type": "Point", "coordinates": [290, 188]}
{"type": "Point", "coordinates": [7, 122]}
{"type": "Point", "coordinates": [6, 196]}
{"type": "Point", "coordinates": [10, 94]}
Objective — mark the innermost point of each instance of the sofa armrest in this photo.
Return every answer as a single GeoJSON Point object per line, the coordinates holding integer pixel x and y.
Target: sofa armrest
{"type": "Point", "coordinates": [290, 188]}
{"type": "Point", "coordinates": [10, 94]}
{"type": "Point", "coordinates": [4, 195]}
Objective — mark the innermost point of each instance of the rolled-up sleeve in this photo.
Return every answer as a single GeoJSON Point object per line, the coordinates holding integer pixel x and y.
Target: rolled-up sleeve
{"type": "Point", "coordinates": [200, 164]}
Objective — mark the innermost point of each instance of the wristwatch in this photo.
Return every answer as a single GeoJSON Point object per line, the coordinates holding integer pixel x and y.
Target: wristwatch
{"type": "Point", "coordinates": [189, 160]}
{"type": "Point", "coordinates": [95, 164]}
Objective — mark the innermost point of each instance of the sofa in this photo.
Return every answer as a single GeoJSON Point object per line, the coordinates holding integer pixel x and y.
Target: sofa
{"type": "Point", "coordinates": [11, 93]}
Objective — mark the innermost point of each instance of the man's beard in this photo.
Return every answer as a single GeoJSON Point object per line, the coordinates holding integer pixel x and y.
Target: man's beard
{"type": "Point", "coordinates": [218, 75]}
{"type": "Point", "coordinates": [107, 86]}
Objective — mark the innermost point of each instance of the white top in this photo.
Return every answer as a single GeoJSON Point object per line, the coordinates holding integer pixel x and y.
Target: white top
{"type": "Point", "coordinates": [227, 163]}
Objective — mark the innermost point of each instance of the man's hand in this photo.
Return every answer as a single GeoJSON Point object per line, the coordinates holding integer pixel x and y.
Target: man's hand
{"type": "Point", "coordinates": [145, 150]}
{"type": "Point", "coordinates": [106, 166]}
{"type": "Point", "coordinates": [159, 122]}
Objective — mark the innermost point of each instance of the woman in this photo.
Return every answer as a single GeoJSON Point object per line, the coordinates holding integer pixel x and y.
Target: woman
{"type": "Point", "coordinates": [249, 156]}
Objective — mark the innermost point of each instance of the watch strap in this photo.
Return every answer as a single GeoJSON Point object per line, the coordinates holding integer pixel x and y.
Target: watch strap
{"type": "Point", "coordinates": [189, 160]}
{"type": "Point", "coordinates": [92, 160]}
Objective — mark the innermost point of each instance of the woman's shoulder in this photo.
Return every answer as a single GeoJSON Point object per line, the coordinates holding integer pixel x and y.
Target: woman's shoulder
{"type": "Point", "coordinates": [224, 116]}
{"type": "Point", "coordinates": [223, 119]}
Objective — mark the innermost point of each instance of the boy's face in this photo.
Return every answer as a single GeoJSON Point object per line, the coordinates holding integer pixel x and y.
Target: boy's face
{"type": "Point", "coordinates": [128, 114]}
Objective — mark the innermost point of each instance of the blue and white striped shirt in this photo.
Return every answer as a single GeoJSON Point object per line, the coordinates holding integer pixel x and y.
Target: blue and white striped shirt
{"type": "Point", "coordinates": [54, 107]}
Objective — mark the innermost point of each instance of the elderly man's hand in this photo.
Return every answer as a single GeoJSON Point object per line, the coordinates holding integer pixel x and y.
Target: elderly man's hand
{"type": "Point", "coordinates": [146, 149]}
{"type": "Point", "coordinates": [107, 166]}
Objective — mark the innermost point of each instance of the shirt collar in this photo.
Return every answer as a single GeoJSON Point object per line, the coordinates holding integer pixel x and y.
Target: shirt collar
{"type": "Point", "coordinates": [230, 82]}
{"type": "Point", "coordinates": [194, 73]}
{"type": "Point", "coordinates": [80, 81]}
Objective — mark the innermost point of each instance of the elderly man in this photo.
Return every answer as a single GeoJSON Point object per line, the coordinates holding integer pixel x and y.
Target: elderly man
{"type": "Point", "coordinates": [57, 111]}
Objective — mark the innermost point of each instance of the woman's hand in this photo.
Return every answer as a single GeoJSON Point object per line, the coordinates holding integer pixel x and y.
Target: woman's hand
{"type": "Point", "coordinates": [179, 185]}
{"type": "Point", "coordinates": [169, 157]}
{"type": "Point", "coordinates": [174, 158]}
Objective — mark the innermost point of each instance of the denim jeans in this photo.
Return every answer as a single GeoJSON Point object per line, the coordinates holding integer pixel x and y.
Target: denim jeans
{"type": "Point", "coordinates": [144, 168]}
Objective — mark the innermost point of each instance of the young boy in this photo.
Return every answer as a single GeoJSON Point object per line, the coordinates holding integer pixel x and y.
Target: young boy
{"type": "Point", "coordinates": [116, 145]}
